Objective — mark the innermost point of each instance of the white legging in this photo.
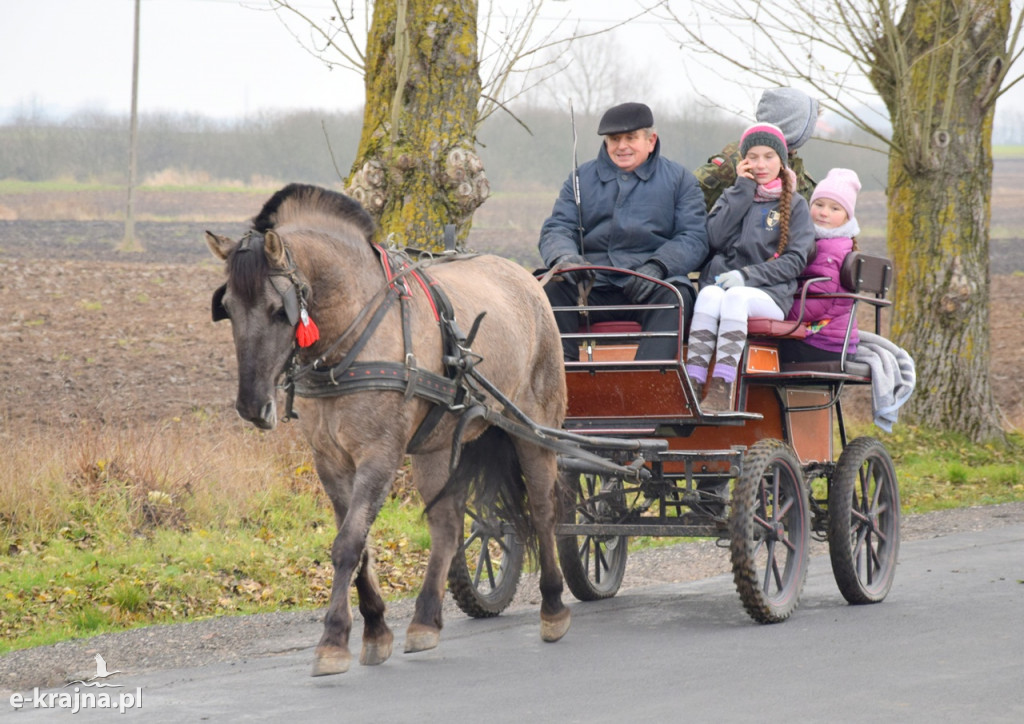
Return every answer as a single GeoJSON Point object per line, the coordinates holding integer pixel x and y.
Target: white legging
{"type": "Point", "coordinates": [719, 327]}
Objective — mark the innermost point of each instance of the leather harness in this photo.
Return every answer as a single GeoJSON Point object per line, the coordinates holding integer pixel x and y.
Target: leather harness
{"type": "Point", "coordinates": [348, 376]}
{"type": "Point", "coordinates": [462, 389]}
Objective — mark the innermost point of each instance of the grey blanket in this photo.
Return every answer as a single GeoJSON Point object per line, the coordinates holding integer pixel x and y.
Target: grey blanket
{"type": "Point", "coordinates": [892, 376]}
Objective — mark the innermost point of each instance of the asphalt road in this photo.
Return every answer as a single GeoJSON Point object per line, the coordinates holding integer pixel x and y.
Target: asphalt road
{"type": "Point", "coordinates": [947, 645]}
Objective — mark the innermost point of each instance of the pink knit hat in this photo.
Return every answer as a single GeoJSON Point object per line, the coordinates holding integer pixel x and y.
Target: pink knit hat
{"type": "Point", "coordinates": [764, 134]}
{"type": "Point", "coordinates": [841, 185]}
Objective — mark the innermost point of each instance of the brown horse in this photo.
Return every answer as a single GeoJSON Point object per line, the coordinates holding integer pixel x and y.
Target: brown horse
{"type": "Point", "coordinates": [309, 256]}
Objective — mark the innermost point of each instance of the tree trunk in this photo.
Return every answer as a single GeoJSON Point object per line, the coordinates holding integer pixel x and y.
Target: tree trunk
{"type": "Point", "coordinates": [416, 169]}
{"type": "Point", "coordinates": [940, 179]}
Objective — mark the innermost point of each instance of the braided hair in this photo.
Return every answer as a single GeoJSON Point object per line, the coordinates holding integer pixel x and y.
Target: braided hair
{"type": "Point", "coordinates": [785, 209]}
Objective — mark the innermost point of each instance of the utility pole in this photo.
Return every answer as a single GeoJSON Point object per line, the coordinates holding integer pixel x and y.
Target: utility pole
{"type": "Point", "coordinates": [130, 243]}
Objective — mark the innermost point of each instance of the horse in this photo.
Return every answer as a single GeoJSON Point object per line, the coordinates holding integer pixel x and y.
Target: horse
{"type": "Point", "coordinates": [360, 347]}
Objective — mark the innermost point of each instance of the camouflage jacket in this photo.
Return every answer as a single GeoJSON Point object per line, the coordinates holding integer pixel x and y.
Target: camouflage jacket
{"type": "Point", "coordinates": [719, 173]}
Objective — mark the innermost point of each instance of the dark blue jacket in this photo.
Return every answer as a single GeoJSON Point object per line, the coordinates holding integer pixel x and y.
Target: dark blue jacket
{"type": "Point", "coordinates": [655, 212]}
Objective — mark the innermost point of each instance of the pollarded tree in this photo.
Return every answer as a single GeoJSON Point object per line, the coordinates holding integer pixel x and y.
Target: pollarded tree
{"type": "Point", "coordinates": [938, 66]}
{"type": "Point", "coordinates": [416, 169]}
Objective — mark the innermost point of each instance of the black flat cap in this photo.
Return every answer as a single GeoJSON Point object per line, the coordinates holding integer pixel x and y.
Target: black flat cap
{"type": "Point", "coordinates": [624, 118]}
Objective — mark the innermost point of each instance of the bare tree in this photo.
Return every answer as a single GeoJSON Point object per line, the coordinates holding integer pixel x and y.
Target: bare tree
{"type": "Point", "coordinates": [594, 74]}
{"type": "Point", "coordinates": [416, 168]}
{"type": "Point", "coordinates": [938, 66]}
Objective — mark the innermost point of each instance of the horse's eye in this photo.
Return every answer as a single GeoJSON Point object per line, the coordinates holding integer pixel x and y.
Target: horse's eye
{"type": "Point", "coordinates": [281, 315]}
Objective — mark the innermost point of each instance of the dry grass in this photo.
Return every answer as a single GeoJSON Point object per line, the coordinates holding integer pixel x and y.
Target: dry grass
{"type": "Point", "coordinates": [110, 528]}
{"type": "Point", "coordinates": [178, 475]}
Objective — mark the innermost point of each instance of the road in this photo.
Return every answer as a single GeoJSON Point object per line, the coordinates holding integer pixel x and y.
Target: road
{"type": "Point", "coordinates": [947, 645]}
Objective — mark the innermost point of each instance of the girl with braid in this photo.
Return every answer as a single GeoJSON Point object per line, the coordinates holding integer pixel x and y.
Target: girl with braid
{"type": "Point", "coordinates": [761, 235]}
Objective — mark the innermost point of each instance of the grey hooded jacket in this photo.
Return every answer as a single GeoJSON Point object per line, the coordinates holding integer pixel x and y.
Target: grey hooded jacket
{"type": "Point", "coordinates": [743, 234]}
{"type": "Point", "coordinates": [655, 212]}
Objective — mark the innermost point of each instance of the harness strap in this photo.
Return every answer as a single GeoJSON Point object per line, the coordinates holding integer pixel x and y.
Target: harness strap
{"type": "Point", "coordinates": [365, 376]}
{"type": "Point", "coordinates": [447, 393]}
{"type": "Point", "coordinates": [371, 327]}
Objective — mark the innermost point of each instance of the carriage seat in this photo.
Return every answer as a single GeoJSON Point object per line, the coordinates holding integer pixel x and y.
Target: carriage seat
{"type": "Point", "coordinates": [779, 328]}
{"type": "Point", "coordinates": [864, 278]}
{"type": "Point", "coordinates": [615, 326]}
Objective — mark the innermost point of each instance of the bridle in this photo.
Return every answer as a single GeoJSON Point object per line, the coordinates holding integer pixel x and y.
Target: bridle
{"type": "Point", "coordinates": [294, 296]}
{"type": "Point", "coordinates": [319, 378]}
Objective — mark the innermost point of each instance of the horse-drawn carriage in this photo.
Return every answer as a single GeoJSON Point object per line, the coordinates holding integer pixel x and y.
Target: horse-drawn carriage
{"type": "Point", "coordinates": [485, 409]}
{"type": "Point", "coordinates": [765, 479]}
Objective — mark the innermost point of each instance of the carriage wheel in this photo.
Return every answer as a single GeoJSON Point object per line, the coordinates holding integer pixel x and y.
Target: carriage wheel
{"type": "Point", "coordinates": [864, 521]}
{"type": "Point", "coordinates": [769, 532]}
{"type": "Point", "coordinates": [593, 565]}
{"type": "Point", "coordinates": [485, 571]}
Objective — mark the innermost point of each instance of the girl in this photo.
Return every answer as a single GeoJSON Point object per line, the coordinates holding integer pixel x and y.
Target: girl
{"type": "Point", "coordinates": [835, 227]}
{"type": "Point", "coordinates": [760, 234]}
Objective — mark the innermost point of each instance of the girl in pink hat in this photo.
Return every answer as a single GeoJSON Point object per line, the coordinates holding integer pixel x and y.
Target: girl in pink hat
{"type": "Point", "coordinates": [835, 228]}
{"type": "Point", "coordinates": [760, 234]}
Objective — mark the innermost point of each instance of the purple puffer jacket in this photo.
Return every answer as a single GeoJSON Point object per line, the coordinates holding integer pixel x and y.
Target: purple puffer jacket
{"type": "Point", "coordinates": [826, 319]}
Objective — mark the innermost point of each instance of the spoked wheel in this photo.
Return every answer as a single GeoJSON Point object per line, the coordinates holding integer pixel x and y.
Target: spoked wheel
{"type": "Point", "coordinates": [864, 521]}
{"type": "Point", "coordinates": [485, 571]}
{"type": "Point", "coordinates": [593, 565]}
{"type": "Point", "coordinates": [769, 532]}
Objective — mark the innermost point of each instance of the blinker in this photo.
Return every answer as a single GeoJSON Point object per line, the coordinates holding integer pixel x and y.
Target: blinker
{"type": "Point", "coordinates": [217, 304]}
{"type": "Point", "coordinates": [291, 305]}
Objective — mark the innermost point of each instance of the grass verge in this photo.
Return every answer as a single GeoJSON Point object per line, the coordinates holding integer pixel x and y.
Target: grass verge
{"type": "Point", "coordinates": [115, 529]}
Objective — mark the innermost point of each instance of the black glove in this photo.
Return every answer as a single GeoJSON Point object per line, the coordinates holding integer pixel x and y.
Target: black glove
{"type": "Point", "coordinates": [579, 276]}
{"type": "Point", "coordinates": [637, 289]}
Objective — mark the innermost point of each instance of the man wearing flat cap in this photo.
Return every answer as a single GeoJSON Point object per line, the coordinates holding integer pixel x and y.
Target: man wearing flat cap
{"type": "Point", "coordinates": [637, 211]}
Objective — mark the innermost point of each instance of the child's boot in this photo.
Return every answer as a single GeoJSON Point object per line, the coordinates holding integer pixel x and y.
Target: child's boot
{"type": "Point", "coordinates": [719, 397]}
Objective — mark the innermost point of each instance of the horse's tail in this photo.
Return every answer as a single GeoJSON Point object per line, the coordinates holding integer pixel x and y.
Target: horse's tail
{"type": "Point", "coordinates": [491, 479]}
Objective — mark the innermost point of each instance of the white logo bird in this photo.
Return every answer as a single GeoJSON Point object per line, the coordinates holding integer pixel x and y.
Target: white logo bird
{"type": "Point", "coordinates": [101, 673]}
{"type": "Point", "coordinates": [101, 669]}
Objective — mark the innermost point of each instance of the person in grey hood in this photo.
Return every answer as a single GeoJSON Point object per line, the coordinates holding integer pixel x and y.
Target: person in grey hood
{"type": "Point", "coordinates": [796, 115]}
{"type": "Point", "coordinates": [638, 211]}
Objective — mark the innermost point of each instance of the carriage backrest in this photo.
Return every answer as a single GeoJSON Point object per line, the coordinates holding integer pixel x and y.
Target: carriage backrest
{"type": "Point", "coordinates": [866, 274]}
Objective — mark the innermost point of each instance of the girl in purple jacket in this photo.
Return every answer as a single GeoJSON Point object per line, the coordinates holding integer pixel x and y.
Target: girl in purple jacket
{"type": "Point", "coordinates": [832, 206]}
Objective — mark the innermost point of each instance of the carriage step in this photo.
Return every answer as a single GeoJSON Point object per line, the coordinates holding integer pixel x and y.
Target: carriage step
{"type": "Point", "coordinates": [683, 530]}
{"type": "Point", "coordinates": [616, 431]}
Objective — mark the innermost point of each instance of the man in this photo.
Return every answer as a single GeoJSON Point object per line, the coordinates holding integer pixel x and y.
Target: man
{"type": "Point", "coordinates": [790, 109]}
{"type": "Point", "coordinates": [637, 211]}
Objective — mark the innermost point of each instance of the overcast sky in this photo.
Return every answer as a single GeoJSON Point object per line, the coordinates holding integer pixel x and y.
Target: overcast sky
{"type": "Point", "coordinates": [222, 58]}
{"type": "Point", "coordinates": [234, 58]}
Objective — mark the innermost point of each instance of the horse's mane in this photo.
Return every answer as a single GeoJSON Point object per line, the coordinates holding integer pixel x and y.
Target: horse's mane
{"type": "Point", "coordinates": [296, 200]}
{"type": "Point", "coordinates": [310, 204]}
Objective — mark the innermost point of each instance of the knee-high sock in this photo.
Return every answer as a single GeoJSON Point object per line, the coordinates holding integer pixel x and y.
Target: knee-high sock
{"type": "Point", "coordinates": [732, 337]}
{"type": "Point", "coordinates": [703, 332]}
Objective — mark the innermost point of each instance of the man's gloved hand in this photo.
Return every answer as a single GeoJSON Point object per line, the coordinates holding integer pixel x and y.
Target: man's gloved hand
{"type": "Point", "coordinates": [730, 279]}
{"type": "Point", "coordinates": [638, 290]}
{"type": "Point", "coordinates": [581, 276]}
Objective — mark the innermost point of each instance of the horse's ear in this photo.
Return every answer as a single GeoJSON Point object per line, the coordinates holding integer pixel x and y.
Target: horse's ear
{"type": "Point", "coordinates": [273, 246]}
{"type": "Point", "coordinates": [221, 246]}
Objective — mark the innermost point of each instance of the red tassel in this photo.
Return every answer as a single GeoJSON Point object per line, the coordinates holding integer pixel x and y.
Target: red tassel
{"type": "Point", "coordinates": [306, 333]}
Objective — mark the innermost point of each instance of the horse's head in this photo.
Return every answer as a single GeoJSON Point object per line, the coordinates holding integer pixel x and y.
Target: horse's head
{"type": "Point", "coordinates": [262, 299]}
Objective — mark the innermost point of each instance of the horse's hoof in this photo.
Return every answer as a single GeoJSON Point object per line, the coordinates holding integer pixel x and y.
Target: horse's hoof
{"type": "Point", "coordinates": [376, 652]}
{"type": "Point", "coordinates": [554, 627]}
{"type": "Point", "coordinates": [421, 638]}
{"type": "Point", "coordinates": [331, 660]}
